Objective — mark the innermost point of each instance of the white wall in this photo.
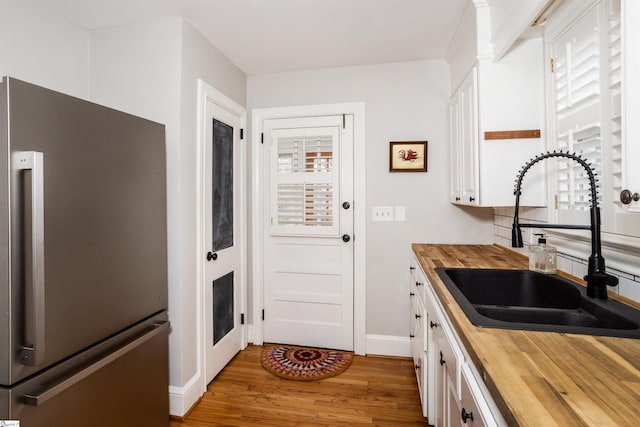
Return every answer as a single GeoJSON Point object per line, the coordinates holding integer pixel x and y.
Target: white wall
{"type": "Point", "coordinates": [462, 51]}
{"type": "Point", "coordinates": [152, 70]}
{"type": "Point", "coordinates": [136, 68]}
{"type": "Point", "coordinates": [43, 48]}
{"type": "Point", "coordinates": [403, 102]}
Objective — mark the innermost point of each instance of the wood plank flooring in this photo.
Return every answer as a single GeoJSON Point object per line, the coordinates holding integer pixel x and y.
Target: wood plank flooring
{"type": "Point", "coordinates": [374, 391]}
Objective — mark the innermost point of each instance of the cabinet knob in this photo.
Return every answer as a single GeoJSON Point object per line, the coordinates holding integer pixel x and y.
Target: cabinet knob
{"type": "Point", "coordinates": [411, 336]}
{"type": "Point", "coordinates": [626, 197]}
{"type": "Point", "coordinates": [466, 416]}
{"type": "Point", "coordinates": [472, 199]}
{"type": "Point", "coordinates": [411, 268]}
{"type": "Point", "coordinates": [411, 294]}
{"type": "Point", "coordinates": [418, 284]}
{"type": "Point", "coordinates": [417, 366]}
{"type": "Point", "coordinates": [457, 199]}
{"type": "Point", "coordinates": [418, 316]}
{"type": "Point", "coordinates": [212, 256]}
{"type": "Point", "coordinates": [442, 361]}
{"type": "Point", "coordinates": [433, 325]}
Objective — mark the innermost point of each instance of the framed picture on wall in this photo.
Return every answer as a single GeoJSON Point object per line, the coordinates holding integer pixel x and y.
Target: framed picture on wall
{"type": "Point", "coordinates": [408, 156]}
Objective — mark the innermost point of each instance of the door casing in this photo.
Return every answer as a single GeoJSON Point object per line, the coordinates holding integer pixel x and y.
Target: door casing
{"type": "Point", "coordinates": [207, 93]}
{"type": "Point", "coordinates": [257, 210]}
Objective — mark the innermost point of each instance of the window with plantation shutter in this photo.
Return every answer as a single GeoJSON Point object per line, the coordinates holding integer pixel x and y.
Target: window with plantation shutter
{"type": "Point", "coordinates": [589, 83]}
{"type": "Point", "coordinates": [577, 111]}
{"type": "Point", "coordinates": [305, 182]}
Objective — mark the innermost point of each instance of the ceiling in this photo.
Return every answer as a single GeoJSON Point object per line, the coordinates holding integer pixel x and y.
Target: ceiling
{"type": "Point", "coordinates": [270, 36]}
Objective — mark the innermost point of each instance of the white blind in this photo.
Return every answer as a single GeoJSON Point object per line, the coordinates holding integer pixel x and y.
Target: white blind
{"type": "Point", "coordinates": [576, 81]}
{"type": "Point", "coordinates": [305, 205]}
{"type": "Point", "coordinates": [305, 154]}
{"type": "Point", "coordinates": [305, 182]}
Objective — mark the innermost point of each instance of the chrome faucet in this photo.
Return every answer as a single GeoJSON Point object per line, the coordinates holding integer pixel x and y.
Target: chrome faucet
{"type": "Point", "coordinates": [597, 278]}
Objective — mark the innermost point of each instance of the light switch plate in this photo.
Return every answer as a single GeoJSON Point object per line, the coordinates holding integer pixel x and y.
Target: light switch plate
{"type": "Point", "coordinates": [401, 213]}
{"type": "Point", "coordinates": [382, 213]}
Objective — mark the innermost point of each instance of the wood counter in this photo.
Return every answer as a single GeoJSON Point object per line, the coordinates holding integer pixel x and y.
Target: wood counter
{"type": "Point", "coordinates": [541, 378]}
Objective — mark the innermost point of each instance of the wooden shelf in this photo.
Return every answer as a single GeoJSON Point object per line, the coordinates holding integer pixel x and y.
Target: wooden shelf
{"type": "Point", "coordinates": [512, 134]}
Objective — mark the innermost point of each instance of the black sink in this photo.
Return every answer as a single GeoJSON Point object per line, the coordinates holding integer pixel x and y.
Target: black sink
{"type": "Point", "coordinates": [527, 300]}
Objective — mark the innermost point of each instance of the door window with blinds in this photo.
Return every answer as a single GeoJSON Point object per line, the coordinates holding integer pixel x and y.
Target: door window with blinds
{"type": "Point", "coordinates": [586, 68]}
{"type": "Point", "coordinates": [305, 184]}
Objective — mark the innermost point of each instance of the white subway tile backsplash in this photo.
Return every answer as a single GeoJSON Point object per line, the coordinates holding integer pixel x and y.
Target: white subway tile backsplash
{"type": "Point", "coordinates": [629, 288]}
{"type": "Point", "coordinates": [564, 264]}
{"type": "Point", "coordinates": [619, 273]}
{"type": "Point", "coordinates": [629, 284]}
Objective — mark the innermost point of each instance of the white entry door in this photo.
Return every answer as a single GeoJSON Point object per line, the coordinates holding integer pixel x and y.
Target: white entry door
{"type": "Point", "coordinates": [308, 231]}
{"type": "Point", "coordinates": [223, 272]}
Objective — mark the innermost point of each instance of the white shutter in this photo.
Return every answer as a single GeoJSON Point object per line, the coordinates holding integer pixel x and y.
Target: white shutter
{"type": "Point", "coordinates": [577, 119]}
{"type": "Point", "coordinates": [614, 41]}
{"type": "Point", "coordinates": [305, 182]}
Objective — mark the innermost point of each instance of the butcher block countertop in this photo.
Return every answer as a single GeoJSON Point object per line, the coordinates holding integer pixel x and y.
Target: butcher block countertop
{"type": "Point", "coordinates": [540, 378]}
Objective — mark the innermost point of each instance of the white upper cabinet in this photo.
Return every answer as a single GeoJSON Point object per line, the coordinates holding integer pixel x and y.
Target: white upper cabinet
{"type": "Point", "coordinates": [493, 102]}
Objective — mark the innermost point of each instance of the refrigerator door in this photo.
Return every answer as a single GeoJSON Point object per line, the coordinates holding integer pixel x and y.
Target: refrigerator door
{"type": "Point", "coordinates": [122, 382]}
{"type": "Point", "coordinates": [82, 225]}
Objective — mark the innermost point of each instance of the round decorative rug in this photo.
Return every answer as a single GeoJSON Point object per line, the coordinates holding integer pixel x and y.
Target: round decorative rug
{"type": "Point", "coordinates": [304, 364]}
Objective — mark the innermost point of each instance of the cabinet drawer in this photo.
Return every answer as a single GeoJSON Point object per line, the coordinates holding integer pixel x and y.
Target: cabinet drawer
{"type": "Point", "coordinates": [418, 281]}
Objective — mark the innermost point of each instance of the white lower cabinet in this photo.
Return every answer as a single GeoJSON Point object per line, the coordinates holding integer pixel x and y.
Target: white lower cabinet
{"type": "Point", "coordinates": [418, 334]}
{"type": "Point", "coordinates": [451, 390]}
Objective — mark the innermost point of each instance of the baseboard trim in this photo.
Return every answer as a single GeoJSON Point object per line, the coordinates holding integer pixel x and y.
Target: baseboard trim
{"type": "Point", "coordinates": [381, 345]}
{"type": "Point", "coordinates": [183, 399]}
{"type": "Point", "coordinates": [388, 345]}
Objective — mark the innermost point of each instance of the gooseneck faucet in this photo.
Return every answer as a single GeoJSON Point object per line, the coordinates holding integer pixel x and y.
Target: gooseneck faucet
{"type": "Point", "coordinates": [597, 278]}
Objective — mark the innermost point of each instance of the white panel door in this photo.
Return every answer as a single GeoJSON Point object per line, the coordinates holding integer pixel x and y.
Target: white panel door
{"type": "Point", "coordinates": [223, 240]}
{"type": "Point", "coordinates": [308, 232]}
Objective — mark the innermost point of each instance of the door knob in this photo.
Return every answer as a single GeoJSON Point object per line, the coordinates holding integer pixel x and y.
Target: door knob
{"type": "Point", "coordinates": [346, 205]}
{"type": "Point", "coordinates": [212, 256]}
{"type": "Point", "coordinates": [626, 197]}
{"type": "Point", "coordinates": [346, 238]}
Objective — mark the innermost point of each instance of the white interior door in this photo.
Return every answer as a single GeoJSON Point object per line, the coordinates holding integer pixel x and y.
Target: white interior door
{"type": "Point", "coordinates": [308, 231]}
{"type": "Point", "coordinates": [223, 272]}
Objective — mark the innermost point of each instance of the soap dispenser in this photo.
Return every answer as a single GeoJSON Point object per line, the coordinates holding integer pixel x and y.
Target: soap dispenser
{"type": "Point", "coordinates": [542, 257]}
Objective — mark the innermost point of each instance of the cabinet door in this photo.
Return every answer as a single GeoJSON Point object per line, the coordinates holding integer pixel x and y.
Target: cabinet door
{"type": "Point", "coordinates": [455, 194]}
{"type": "Point", "coordinates": [474, 411]}
{"type": "Point", "coordinates": [452, 410]}
{"type": "Point", "coordinates": [625, 126]}
{"type": "Point", "coordinates": [469, 138]}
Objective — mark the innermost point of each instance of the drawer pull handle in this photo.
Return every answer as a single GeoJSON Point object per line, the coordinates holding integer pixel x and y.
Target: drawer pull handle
{"type": "Point", "coordinates": [466, 416]}
{"type": "Point", "coordinates": [442, 361]}
{"type": "Point", "coordinates": [433, 325]}
{"type": "Point", "coordinates": [411, 294]}
{"type": "Point", "coordinates": [411, 336]}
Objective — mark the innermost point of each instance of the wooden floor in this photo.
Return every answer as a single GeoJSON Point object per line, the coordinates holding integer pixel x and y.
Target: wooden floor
{"type": "Point", "coordinates": [374, 391]}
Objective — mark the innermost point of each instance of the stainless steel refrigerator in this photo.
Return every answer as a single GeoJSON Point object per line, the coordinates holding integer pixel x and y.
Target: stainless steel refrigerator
{"type": "Point", "coordinates": [83, 264]}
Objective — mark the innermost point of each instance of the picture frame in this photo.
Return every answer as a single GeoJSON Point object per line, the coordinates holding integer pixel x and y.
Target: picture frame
{"type": "Point", "coordinates": [408, 156]}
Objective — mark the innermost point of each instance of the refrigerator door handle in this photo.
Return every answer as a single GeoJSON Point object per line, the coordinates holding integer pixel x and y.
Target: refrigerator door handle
{"type": "Point", "coordinates": [42, 397]}
{"type": "Point", "coordinates": [32, 353]}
